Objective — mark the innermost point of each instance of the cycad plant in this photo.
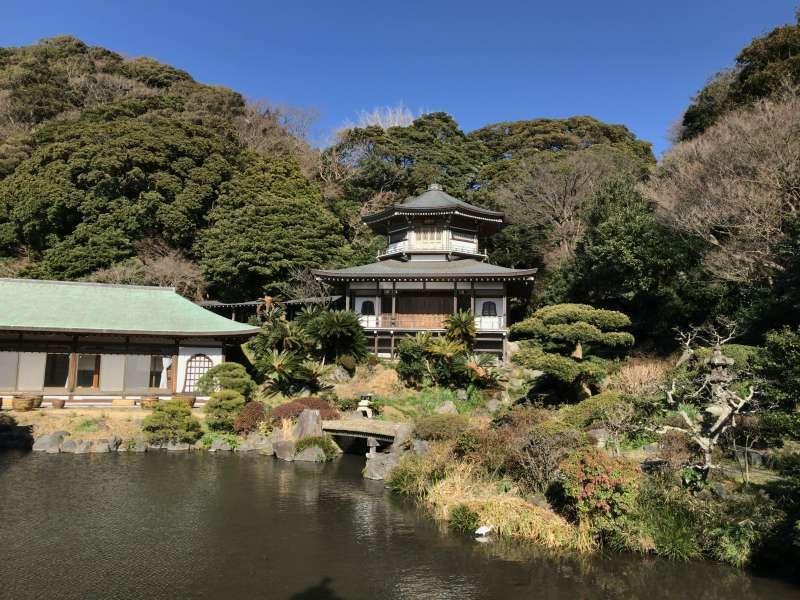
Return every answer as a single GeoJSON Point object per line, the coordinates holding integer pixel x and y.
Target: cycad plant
{"type": "Point", "coordinates": [461, 327]}
{"type": "Point", "coordinates": [337, 332]}
{"type": "Point", "coordinates": [282, 371]}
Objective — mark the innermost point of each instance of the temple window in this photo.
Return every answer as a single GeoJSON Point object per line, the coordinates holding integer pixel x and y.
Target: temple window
{"type": "Point", "coordinates": [428, 233]}
{"type": "Point", "coordinates": [368, 308]}
{"type": "Point", "coordinates": [196, 367]}
{"type": "Point", "coordinates": [489, 309]}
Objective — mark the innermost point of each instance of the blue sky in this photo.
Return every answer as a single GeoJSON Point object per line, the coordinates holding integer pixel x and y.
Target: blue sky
{"type": "Point", "coordinates": [632, 62]}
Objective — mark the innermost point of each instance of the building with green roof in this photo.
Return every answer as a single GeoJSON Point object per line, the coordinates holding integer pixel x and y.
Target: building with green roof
{"type": "Point", "coordinates": [432, 266]}
{"type": "Point", "coordinates": [98, 342]}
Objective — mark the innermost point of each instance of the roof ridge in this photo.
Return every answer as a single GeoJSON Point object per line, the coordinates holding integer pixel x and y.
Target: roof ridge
{"type": "Point", "coordinates": [88, 283]}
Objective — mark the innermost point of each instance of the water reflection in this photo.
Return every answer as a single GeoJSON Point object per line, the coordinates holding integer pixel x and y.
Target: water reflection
{"type": "Point", "coordinates": [212, 526]}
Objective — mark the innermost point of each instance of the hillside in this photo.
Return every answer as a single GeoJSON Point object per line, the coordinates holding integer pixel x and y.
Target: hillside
{"type": "Point", "coordinates": [128, 170]}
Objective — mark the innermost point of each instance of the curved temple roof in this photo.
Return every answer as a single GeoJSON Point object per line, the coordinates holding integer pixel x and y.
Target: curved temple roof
{"type": "Point", "coordinates": [435, 201]}
{"type": "Point", "coordinates": [440, 270]}
{"type": "Point", "coordinates": [77, 307]}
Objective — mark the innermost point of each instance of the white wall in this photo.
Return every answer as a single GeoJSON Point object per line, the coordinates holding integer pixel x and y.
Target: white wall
{"type": "Point", "coordinates": [186, 352]}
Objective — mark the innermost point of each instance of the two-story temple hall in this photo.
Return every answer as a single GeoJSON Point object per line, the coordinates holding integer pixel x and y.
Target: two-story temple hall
{"type": "Point", "coordinates": [432, 267]}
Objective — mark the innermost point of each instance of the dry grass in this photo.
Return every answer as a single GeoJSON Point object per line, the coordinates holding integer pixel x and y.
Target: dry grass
{"type": "Point", "coordinates": [379, 380]}
{"type": "Point", "coordinates": [125, 423]}
{"type": "Point", "coordinates": [497, 502]}
{"type": "Point", "coordinates": [642, 376]}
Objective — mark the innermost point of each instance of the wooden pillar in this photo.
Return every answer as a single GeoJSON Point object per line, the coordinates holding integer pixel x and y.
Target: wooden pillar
{"type": "Point", "coordinates": [378, 310]}
{"type": "Point", "coordinates": [347, 296]}
{"type": "Point", "coordinates": [72, 374]}
{"type": "Point", "coordinates": [455, 297]}
{"type": "Point", "coordinates": [174, 369]}
{"type": "Point", "coordinates": [472, 297]}
{"type": "Point", "coordinates": [505, 307]}
{"type": "Point", "coordinates": [376, 341]}
{"type": "Point", "coordinates": [394, 307]}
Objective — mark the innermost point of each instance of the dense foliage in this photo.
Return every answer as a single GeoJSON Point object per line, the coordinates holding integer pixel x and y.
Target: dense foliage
{"type": "Point", "coordinates": [171, 422]}
{"type": "Point", "coordinates": [227, 376]}
{"type": "Point", "coordinates": [222, 410]}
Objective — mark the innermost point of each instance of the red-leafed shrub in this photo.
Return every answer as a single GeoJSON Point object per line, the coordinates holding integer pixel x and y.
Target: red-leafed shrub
{"type": "Point", "coordinates": [249, 417]}
{"type": "Point", "coordinates": [292, 410]}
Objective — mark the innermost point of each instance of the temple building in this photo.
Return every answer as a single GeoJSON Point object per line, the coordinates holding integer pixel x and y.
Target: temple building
{"type": "Point", "coordinates": [433, 266]}
{"type": "Point", "coordinates": [90, 342]}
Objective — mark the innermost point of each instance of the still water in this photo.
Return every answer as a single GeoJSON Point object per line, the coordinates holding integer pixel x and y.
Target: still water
{"type": "Point", "coordinates": [224, 526]}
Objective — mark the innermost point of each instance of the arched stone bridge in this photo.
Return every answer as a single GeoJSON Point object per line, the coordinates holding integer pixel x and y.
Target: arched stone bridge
{"type": "Point", "coordinates": [382, 431]}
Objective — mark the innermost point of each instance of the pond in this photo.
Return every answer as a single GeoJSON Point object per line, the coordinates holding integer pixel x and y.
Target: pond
{"type": "Point", "coordinates": [201, 525]}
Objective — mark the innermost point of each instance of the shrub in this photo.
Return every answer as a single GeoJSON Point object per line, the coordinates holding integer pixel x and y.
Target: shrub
{"type": "Point", "coordinates": [440, 427]}
{"type": "Point", "coordinates": [675, 448]}
{"type": "Point", "coordinates": [209, 438]}
{"type": "Point", "coordinates": [222, 409]}
{"type": "Point", "coordinates": [778, 364]}
{"type": "Point", "coordinates": [171, 421]}
{"type": "Point", "coordinates": [292, 410]}
{"type": "Point", "coordinates": [227, 376]}
{"type": "Point", "coordinates": [463, 520]}
{"type": "Point", "coordinates": [249, 417]}
{"type": "Point", "coordinates": [600, 491]}
{"type": "Point", "coordinates": [414, 475]}
{"type": "Point", "coordinates": [547, 444]}
{"type": "Point", "coordinates": [7, 421]}
{"type": "Point", "coordinates": [323, 442]}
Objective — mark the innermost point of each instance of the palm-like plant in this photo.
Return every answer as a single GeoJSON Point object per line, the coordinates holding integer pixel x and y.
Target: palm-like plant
{"type": "Point", "coordinates": [445, 347]}
{"type": "Point", "coordinates": [281, 370]}
{"type": "Point", "coordinates": [461, 327]}
{"type": "Point", "coordinates": [313, 375]}
{"type": "Point", "coordinates": [481, 370]}
{"type": "Point", "coordinates": [338, 332]}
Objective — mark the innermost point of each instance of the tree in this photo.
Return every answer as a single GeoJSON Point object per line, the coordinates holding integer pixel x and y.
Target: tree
{"type": "Point", "coordinates": [736, 189]}
{"type": "Point", "coordinates": [266, 221]}
{"type": "Point", "coordinates": [777, 364]}
{"type": "Point", "coordinates": [629, 262]}
{"type": "Point", "coordinates": [227, 376]}
{"type": "Point", "coordinates": [572, 344]}
{"type": "Point", "coordinates": [550, 193]}
{"type": "Point", "coordinates": [461, 327]}
{"type": "Point", "coordinates": [338, 333]}
{"type": "Point", "coordinates": [767, 65]}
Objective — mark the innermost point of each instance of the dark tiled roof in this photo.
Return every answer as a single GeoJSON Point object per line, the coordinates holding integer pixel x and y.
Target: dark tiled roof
{"type": "Point", "coordinates": [453, 270]}
{"type": "Point", "coordinates": [434, 200]}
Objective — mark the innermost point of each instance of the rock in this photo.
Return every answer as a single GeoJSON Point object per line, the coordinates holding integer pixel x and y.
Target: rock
{"type": "Point", "coordinates": [337, 375]}
{"type": "Point", "coordinates": [137, 445]}
{"type": "Point", "coordinates": [598, 437]}
{"type": "Point", "coordinates": [100, 446]}
{"type": "Point", "coordinates": [178, 447]}
{"type": "Point", "coordinates": [255, 442]}
{"type": "Point", "coordinates": [309, 424]}
{"type": "Point", "coordinates": [284, 449]}
{"type": "Point", "coordinates": [83, 446]}
{"type": "Point", "coordinates": [311, 454]}
{"type": "Point", "coordinates": [420, 447]}
{"type": "Point", "coordinates": [220, 445]}
{"type": "Point", "coordinates": [69, 446]}
{"type": "Point", "coordinates": [719, 491]}
{"type": "Point", "coordinates": [402, 436]}
{"type": "Point", "coordinates": [461, 395]}
{"type": "Point", "coordinates": [114, 442]}
{"type": "Point", "coordinates": [494, 405]}
{"type": "Point", "coordinates": [379, 465]}
{"type": "Point", "coordinates": [448, 408]}
{"type": "Point", "coordinates": [155, 446]}
{"type": "Point", "coordinates": [47, 443]}
{"type": "Point", "coordinates": [61, 433]}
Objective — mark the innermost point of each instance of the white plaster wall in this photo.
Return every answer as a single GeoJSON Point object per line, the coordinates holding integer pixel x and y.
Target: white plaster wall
{"type": "Point", "coordinates": [186, 352]}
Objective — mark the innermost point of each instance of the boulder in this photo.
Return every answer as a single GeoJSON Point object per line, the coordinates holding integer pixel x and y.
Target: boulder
{"type": "Point", "coordinates": [402, 436]}
{"type": "Point", "coordinates": [100, 446]}
{"type": "Point", "coordinates": [178, 447]}
{"type": "Point", "coordinates": [311, 454]}
{"type": "Point", "coordinates": [49, 443]}
{"type": "Point", "coordinates": [379, 465]}
{"type": "Point", "coordinates": [337, 375]}
{"type": "Point", "coordinates": [284, 449]}
{"type": "Point", "coordinates": [309, 424]}
{"type": "Point", "coordinates": [61, 433]}
{"type": "Point", "coordinates": [255, 442]}
{"type": "Point", "coordinates": [69, 446]}
{"type": "Point", "coordinates": [598, 437]}
{"type": "Point", "coordinates": [461, 395]}
{"type": "Point", "coordinates": [155, 446]}
{"type": "Point", "coordinates": [420, 447]}
{"type": "Point", "coordinates": [220, 445]}
{"type": "Point", "coordinates": [133, 445]}
{"type": "Point", "coordinates": [114, 442]}
{"type": "Point", "coordinates": [447, 408]}
{"type": "Point", "coordinates": [83, 446]}
{"type": "Point", "coordinates": [494, 405]}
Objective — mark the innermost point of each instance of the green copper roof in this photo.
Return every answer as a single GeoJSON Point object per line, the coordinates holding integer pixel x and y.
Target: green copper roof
{"type": "Point", "coordinates": [464, 269]}
{"type": "Point", "coordinates": [61, 306]}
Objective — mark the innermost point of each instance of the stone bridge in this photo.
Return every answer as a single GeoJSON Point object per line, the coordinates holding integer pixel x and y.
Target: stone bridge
{"type": "Point", "coordinates": [382, 431]}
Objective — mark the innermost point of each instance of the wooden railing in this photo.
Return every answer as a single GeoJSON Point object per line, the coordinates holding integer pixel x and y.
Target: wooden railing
{"type": "Point", "coordinates": [418, 321]}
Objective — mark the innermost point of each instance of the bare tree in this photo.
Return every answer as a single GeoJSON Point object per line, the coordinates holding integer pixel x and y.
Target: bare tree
{"type": "Point", "coordinates": [736, 186]}
{"type": "Point", "coordinates": [551, 192]}
{"type": "Point", "coordinates": [383, 116]}
{"type": "Point", "coordinates": [304, 286]}
{"type": "Point", "coordinates": [718, 405]}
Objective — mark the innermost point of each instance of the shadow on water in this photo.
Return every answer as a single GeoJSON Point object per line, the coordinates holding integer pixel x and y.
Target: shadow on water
{"type": "Point", "coordinates": [321, 591]}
